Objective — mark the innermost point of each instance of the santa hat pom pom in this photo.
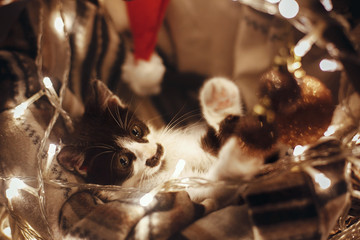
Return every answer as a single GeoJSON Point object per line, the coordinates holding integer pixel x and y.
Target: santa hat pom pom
{"type": "Point", "coordinates": [144, 77]}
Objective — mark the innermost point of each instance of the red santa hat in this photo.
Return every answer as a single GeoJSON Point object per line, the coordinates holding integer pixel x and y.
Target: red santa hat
{"type": "Point", "coordinates": [143, 69]}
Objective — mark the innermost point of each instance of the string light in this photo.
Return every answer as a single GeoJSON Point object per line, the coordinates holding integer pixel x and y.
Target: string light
{"type": "Point", "coordinates": [330, 131]}
{"type": "Point", "coordinates": [330, 65]}
{"type": "Point", "coordinates": [298, 150]}
{"type": "Point", "coordinates": [19, 110]}
{"type": "Point", "coordinates": [149, 197]}
{"type": "Point", "coordinates": [323, 181]}
{"type": "Point", "coordinates": [327, 4]}
{"type": "Point", "coordinates": [59, 25]}
{"type": "Point", "coordinates": [273, 1]}
{"type": "Point", "coordinates": [47, 82]}
{"type": "Point", "coordinates": [288, 8]}
{"type": "Point", "coordinates": [15, 185]}
{"type": "Point", "coordinates": [356, 138]}
{"type": "Point", "coordinates": [303, 46]}
{"type": "Point", "coordinates": [7, 232]}
{"type": "Point", "coordinates": [51, 153]}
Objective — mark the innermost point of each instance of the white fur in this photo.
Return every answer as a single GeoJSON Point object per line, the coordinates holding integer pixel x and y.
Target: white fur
{"type": "Point", "coordinates": [144, 77]}
{"type": "Point", "coordinates": [142, 151]}
{"type": "Point", "coordinates": [178, 144]}
{"type": "Point", "coordinates": [234, 163]}
{"type": "Point", "coordinates": [219, 97]}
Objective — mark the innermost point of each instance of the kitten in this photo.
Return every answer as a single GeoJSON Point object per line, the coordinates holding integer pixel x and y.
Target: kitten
{"type": "Point", "coordinates": [112, 146]}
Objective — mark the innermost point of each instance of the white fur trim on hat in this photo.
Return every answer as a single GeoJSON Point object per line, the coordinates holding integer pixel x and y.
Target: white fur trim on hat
{"type": "Point", "coordinates": [144, 77]}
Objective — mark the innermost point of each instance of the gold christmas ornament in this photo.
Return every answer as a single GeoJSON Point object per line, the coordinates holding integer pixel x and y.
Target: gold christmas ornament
{"type": "Point", "coordinates": [306, 120]}
{"type": "Point", "coordinates": [280, 87]}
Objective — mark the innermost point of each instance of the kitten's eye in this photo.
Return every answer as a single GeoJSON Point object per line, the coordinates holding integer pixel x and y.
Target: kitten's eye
{"type": "Point", "coordinates": [124, 161]}
{"type": "Point", "coordinates": [136, 131]}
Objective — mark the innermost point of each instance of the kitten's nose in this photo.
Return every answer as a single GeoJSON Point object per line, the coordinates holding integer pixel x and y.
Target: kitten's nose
{"type": "Point", "coordinates": [155, 160]}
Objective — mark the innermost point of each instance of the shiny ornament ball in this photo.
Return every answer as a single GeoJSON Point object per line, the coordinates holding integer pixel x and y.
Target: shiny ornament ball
{"type": "Point", "coordinates": [280, 87]}
{"type": "Point", "coordinates": [306, 120]}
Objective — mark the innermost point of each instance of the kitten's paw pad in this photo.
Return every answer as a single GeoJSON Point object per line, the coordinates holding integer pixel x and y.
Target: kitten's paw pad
{"type": "Point", "coordinates": [219, 97]}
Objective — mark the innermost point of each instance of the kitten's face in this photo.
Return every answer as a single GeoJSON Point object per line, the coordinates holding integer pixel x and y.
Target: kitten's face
{"type": "Point", "coordinates": [112, 146]}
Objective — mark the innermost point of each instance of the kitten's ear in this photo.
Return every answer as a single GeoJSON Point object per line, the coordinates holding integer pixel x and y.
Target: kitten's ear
{"type": "Point", "coordinates": [219, 98]}
{"type": "Point", "coordinates": [72, 159]}
{"type": "Point", "coordinates": [100, 97]}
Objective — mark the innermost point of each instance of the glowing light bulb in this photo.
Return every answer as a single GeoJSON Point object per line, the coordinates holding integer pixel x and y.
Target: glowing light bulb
{"type": "Point", "coordinates": [356, 138]}
{"type": "Point", "coordinates": [329, 65]}
{"type": "Point", "coordinates": [327, 4]}
{"type": "Point", "coordinates": [47, 82]}
{"type": "Point", "coordinates": [323, 181]}
{"type": "Point", "coordinates": [20, 109]}
{"type": "Point", "coordinates": [147, 199]}
{"type": "Point", "coordinates": [7, 232]}
{"type": "Point", "coordinates": [330, 131]}
{"type": "Point", "coordinates": [273, 1]}
{"type": "Point", "coordinates": [59, 24]}
{"type": "Point", "coordinates": [302, 47]}
{"type": "Point", "coordinates": [14, 186]}
{"type": "Point", "coordinates": [179, 168]}
{"type": "Point", "coordinates": [298, 150]}
{"type": "Point", "coordinates": [288, 8]}
{"type": "Point", "coordinates": [51, 153]}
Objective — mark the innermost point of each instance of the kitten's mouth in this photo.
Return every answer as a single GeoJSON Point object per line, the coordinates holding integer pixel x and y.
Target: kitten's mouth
{"type": "Point", "coordinates": [156, 159]}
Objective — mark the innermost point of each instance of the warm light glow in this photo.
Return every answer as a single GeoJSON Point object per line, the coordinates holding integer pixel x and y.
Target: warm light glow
{"type": "Point", "coordinates": [296, 65]}
{"type": "Point", "coordinates": [273, 1]}
{"type": "Point", "coordinates": [330, 131]}
{"type": "Point", "coordinates": [356, 138]}
{"type": "Point", "coordinates": [330, 65]}
{"type": "Point", "coordinates": [14, 186]}
{"type": "Point", "coordinates": [20, 109]}
{"type": "Point", "coordinates": [59, 24]}
{"type": "Point", "coordinates": [147, 199]}
{"type": "Point", "coordinates": [288, 8]}
{"type": "Point", "coordinates": [323, 181]}
{"type": "Point", "coordinates": [302, 47]}
{"type": "Point", "coordinates": [7, 232]}
{"type": "Point", "coordinates": [51, 153]}
{"type": "Point", "coordinates": [179, 167]}
{"type": "Point", "coordinates": [299, 73]}
{"type": "Point", "coordinates": [47, 82]}
{"type": "Point", "coordinates": [327, 4]}
{"type": "Point", "coordinates": [298, 150]}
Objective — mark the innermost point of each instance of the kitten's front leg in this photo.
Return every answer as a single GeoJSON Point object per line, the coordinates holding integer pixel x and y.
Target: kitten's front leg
{"type": "Point", "coordinates": [222, 108]}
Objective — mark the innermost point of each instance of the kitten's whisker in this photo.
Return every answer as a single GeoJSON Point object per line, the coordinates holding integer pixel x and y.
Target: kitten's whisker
{"type": "Point", "coordinates": [183, 118]}
{"type": "Point", "coordinates": [180, 120]}
{"type": "Point", "coordinates": [117, 122]}
{"type": "Point", "coordinates": [126, 119]}
{"type": "Point", "coordinates": [119, 117]}
{"type": "Point", "coordinates": [142, 177]}
{"type": "Point", "coordinates": [111, 165]}
{"type": "Point", "coordinates": [174, 117]}
{"type": "Point", "coordinates": [99, 154]}
{"type": "Point", "coordinates": [134, 113]}
{"type": "Point", "coordinates": [102, 146]}
{"type": "Point", "coordinates": [154, 118]}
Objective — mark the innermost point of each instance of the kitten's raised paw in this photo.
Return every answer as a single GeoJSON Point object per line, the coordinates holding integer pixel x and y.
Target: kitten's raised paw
{"type": "Point", "coordinates": [219, 97]}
